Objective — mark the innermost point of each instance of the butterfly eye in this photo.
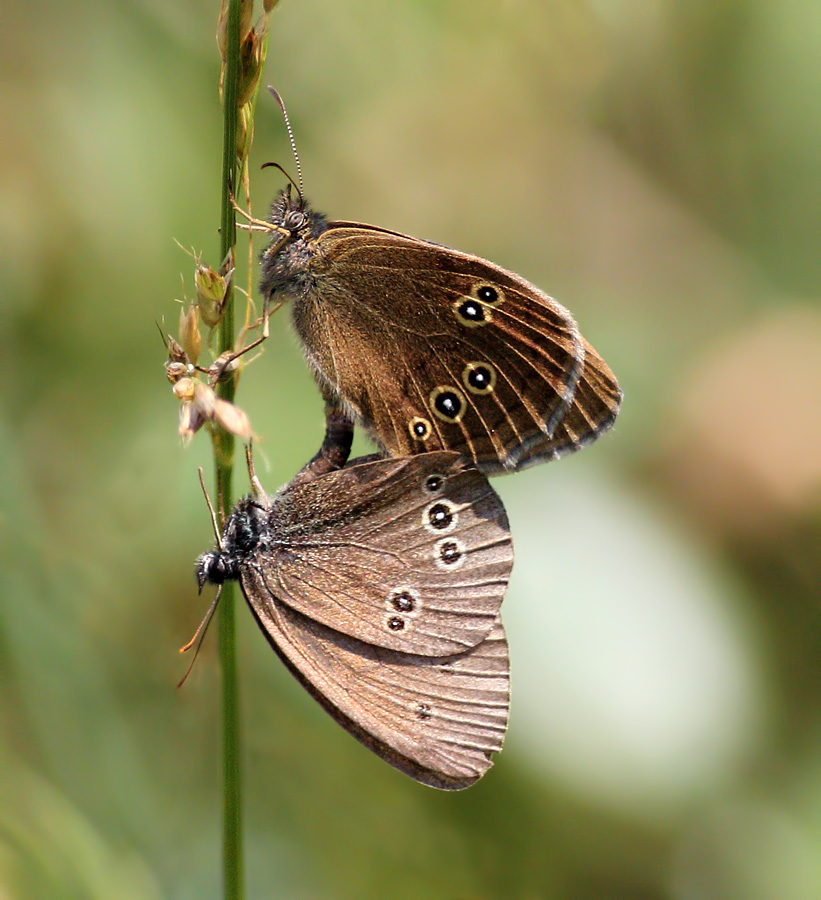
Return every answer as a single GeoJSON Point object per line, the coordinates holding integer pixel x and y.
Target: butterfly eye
{"type": "Point", "coordinates": [449, 553]}
{"type": "Point", "coordinates": [419, 428]}
{"type": "Point", "coordinates": [295, 219]}
{"type": "Point", "coordinates": [448, 403]}
{"type": "Point", "coordinates": [439, 516]}
{"type": "Point", "coordinates": [479, 378]}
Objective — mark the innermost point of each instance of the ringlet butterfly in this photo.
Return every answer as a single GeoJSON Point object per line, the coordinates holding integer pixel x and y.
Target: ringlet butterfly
{"type": "Point", "coordinates": [379, 586]}
{"type": "Point", "coordinates": [431, 348]}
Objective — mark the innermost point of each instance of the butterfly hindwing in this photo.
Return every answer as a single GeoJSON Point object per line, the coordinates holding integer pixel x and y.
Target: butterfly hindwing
{"type": "Point", "coordinates": [436, 719]}
{"type": "Point", "coordinates": [411, 554]}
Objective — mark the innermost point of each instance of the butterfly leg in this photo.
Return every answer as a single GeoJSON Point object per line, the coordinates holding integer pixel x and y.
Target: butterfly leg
{"type": "Point", "coordinates": [335, 449]}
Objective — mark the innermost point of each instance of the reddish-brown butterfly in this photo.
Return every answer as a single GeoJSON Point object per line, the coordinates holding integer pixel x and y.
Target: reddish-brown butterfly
{"type": "Point", "coordinates": [431, 348]}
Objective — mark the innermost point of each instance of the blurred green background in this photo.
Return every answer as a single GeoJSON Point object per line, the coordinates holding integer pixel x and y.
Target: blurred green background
{"type": "Point", "coordinates": [655, 166]}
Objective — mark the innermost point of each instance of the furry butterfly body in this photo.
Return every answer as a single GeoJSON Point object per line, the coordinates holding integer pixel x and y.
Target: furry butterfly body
{"type": "Point", "coordinates": [380, 585]}
{"type": "Point", "coordinates": [431, 348]}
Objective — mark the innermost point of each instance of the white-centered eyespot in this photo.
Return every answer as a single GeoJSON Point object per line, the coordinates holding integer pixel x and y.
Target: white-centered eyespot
{"type": "Point", "coordinates": [419, 428]}
{"type": "Point", "coordinates": [404, 600]}
{"type": "Point", "coordinates": [396, 624]}
{"type": "Point", "coordinates": [489, 294]}
{"type": "Point", "coordinates": [470, 312]}
{"type": "Point", "coordinates": [479, 377]}
{"type": "Point", "coordinates": [433, 484]}
{"type": "Point", "coordinates": [440, 517]}
{"type": "Point", "coordinates": [448, 403]}
{"type": "Point", "coordinates": [449, 553]}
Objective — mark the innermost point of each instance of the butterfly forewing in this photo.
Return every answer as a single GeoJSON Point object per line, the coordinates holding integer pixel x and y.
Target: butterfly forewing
{"type": "Point", "coordinates": [436, 719]}
{"type": "Point", "coordinates": [432, 348]}
{"type": "Point", "coordinates": [411, 554]}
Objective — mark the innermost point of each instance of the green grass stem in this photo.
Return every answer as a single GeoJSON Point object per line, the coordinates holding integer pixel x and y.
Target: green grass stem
{"type": "Point", "coordinates": [233, 881]}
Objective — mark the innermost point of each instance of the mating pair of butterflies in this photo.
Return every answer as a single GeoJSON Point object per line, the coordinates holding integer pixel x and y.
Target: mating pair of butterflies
{"type": "Point", "coordinates": [379, 583]}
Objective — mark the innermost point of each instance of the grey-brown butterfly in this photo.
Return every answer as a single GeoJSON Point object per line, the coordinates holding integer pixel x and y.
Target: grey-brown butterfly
{"type": "Point", "coordinates": [431, 348]}
{"type": "Point", "coordinates": [379, 585]}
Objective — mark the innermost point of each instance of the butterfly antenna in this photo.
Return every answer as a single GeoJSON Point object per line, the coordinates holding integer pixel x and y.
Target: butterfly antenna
{"type": "Point", "coordinates": [214, 523]}
{"type": "Point", "coordinates": [257, 488]}
{"type": "Point", "coordinates": [281, 103]}
{"type": "Point", "coordinates": [275, 165]}
{"type": "Point", "coordinates": [199, 636]}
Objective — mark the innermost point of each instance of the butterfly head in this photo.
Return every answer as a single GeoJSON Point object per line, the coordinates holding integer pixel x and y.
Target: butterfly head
{"type": "Point", "coordinates": [215, 567]}
{"type": "Point", "coordinates": [286, 261]}
{"type": "Point", "coordinates": [295, 216]}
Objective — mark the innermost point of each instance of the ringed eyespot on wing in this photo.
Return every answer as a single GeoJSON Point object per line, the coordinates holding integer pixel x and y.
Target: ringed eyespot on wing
{"type": "Point", "coordinates": [448, 403]}
{"type": "Point", "coordinates": [470, 312]}
{"type": "Point", "coordinates": [404, 600]}
{"type": "Point", "coordinates": [488, 294]}
{"type": "Point", "coordinates": [479, 377]}
{"type": "Point", "coordinates": [449, 553]}
{"type": "Point", "coordinates": [440, 517]}
{"type": "Point", "coordinates": [434, 483]}
{"type": "Point", "coordinates": [419, 428]}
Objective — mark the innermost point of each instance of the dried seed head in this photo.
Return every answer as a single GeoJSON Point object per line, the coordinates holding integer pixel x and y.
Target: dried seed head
{"type": "Point", "coordinates": [233, 419]}
{"type": "Point", "coordinates": [226, 268]}
{"type": "Point", "coordinates": [250, 67]}
{"type": "Point", "coordinates": [184, 389]}
{"type": "Point", "coordinates": [175, 352]}
{"type": "Point", "coordinates": [211, 288]}
{"type": "Point", "coordinates": [200, 405]}
{"type": "Point", "coordinates": [245, 131]}
{"type": "Point", "coordinates": [245, 14]}
{"type": "Point", "coordinates": [177, 365]}
{"type": "Point", "coordinates": [190, 332]}
{"type": "Point", "coordinates": [174, 371]}
{"type": "Point", "coordinates": [223, 367]}
{"type": "Point", "coordinates": [205, 399]}
{"type": "Point", "coordinates": [191, 420]}
{"type": "Point", "coordinates": [222, 32]}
